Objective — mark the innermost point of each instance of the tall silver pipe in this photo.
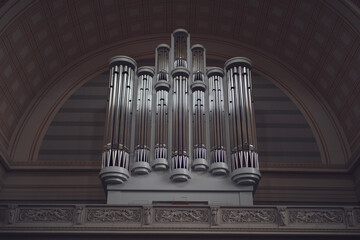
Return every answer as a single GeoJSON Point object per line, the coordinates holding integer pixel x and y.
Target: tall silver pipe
{"type": "Point", "coordinates": [198, 88]}
{"type": "Point", "coordinates": [180, 161]}
{"type": "Point", "coordinates": [116, 154]}
{"type": "Point", "coordinates": [162, 88]}
{"type": "Point", "coordinates": [244, 156]}
{"type": "Point", "coordinates": [218, 160]}
{"type": "Point", "coordinates": [143, 121]}
{"type": "Point", "coordinates": [180, 129]}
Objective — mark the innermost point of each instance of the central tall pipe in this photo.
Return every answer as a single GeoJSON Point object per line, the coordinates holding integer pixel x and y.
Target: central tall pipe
{"type": "Point", "coordinates": [180, 161]}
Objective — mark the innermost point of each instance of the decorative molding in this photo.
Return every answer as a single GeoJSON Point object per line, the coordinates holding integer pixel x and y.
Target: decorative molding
{"type": "Point", "coordinates": [111, 215]}
{"type": "Point", "coordinates": [214, 216]}
{"type": "Point", "coordinates": [79, 215]}
{"type": "Point", "coordinates": [325, 216]}
{"type": "Point", "coordinates": [283, 217]}
{"type": "Point", "coordinates": [349, 215]}
{"type": "Point", "coordinates": [147, 216]}
{"type": "Point", "coordinates": [12, 214]}
{"type": "Point", "coordinates": [215, 219]}
{"type": "Point", "coordinates": [45, 215]}
{"type": "Point", "coordinates": [249, 216]}
{"type": "Point", "coordinates": [357, 216]}
{"type": "Point", "coordinates": [174, 215]}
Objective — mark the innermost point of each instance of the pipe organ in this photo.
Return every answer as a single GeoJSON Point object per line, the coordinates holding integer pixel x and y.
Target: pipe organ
{"type": "Point", "coordinates": [181, 119]}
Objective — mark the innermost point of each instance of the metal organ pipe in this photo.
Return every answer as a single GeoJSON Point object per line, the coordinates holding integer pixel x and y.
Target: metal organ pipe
{"type": "Point", "coordinates": [180, 43]}
{"type": "Point", "coordinates": [180, 161]}
{"type": "Point", "coordinates": [116, 154]}
{"type": "Point", "coordinates": [244, 156]}
{"type": "Point", "coordinates": [198, 88]}
{"type": "Point", "coordinates": [162, 62]}
{"type": "Point", "coordinates": [162, 88]}
{"type": "Point", "coordinates": [217, 122]}
{"type": "Point", "coordinates": [143, 121]}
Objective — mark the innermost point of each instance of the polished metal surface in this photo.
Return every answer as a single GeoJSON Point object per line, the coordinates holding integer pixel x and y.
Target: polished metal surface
{"type": "Point", "coordinates": [189, 117]}
{"type": "Point", "coordinates": [218, 156]}
{"type": "Point", "coordinates": [116, 154]}
{"type": "Point", "coordinates": [241, 113]}
{"type": "Point", "coordinates": [143, 121]}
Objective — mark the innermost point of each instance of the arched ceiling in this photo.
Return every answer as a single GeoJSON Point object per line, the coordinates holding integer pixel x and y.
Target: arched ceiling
{"type": "Point", "coordinates": [40, 40]}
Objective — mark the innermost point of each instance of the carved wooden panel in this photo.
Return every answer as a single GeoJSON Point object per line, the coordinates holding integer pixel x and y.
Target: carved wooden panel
{"type": "Point", "coordinates": [173, 215]}
{"type": "Point", "coordinates": [111, 215]}
{"type": "Point", "coordinates": [308, 216]}
{"type": "Point", "coordinates": [248, 216]}
{"type": "Point", "coordinates": [45, 215]}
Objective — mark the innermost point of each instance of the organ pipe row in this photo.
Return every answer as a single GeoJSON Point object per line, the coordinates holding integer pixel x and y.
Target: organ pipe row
{"type": "Point", "coordinates": [195, 116]}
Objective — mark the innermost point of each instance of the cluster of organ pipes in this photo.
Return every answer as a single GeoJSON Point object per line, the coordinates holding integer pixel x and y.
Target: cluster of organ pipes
{"type": "Point", "coordinates": [197, 117]}
{"type": "Point", "coordinates": [241, 116]}
{"type": "Point", "coordinates": [118, 120]}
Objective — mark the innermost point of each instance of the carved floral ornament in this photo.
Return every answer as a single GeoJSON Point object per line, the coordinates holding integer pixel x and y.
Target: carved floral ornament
{"type": "Point", "coordinates": [316, 216]}
{"type": "Point", "coordinates": [125, 215]}
{"type": "Point", "coordinates": [46, 215]}
{"type": "Point", "coordinates": [249, 216]}
{"type": "Point", "coordinates": [274, 218]}
{"type": "Point", "coordinates": [181, 215]}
